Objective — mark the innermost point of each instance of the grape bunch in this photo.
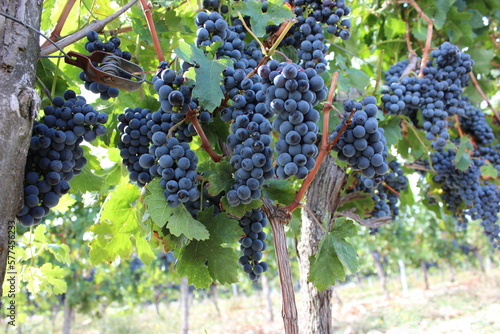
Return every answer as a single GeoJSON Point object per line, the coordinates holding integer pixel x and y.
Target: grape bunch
{"type": "Point", "coordinates": [398, 182]}
{"type": "Point", "coordinates": [211, 28]}
{"type": "Point", "coordinates": [173, 94]}
{"type": "Point", "coordinates": [291, 94]}
{"type": "Point", "coordinates": [437, 94]}
{"type": "Point", "coordinates": [176, 164]}
{"type": "Point", "coordinates": [482, 201]}
{"type": "Point", "coordinates": [134, 142]}
{"type": "Point", "coordinates": [474, 123]}
{"type": "Point", "coordinates": [55, 155]}
{"type": "Point", "coordinates": [112, 46]}
{"type": "Point", "coordinates": [253, 243]}
{"type": "Point", "coordinates": [307, 35]}
{"type": "Point", "coordinates": [363, 143]}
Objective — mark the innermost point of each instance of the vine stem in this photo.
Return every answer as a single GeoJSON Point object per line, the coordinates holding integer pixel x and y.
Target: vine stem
{"type": "Point", "coordinates": [408, 37]}
{"type": "Point", "coordinates": [325, 146]}
{"type": "Point", "coordinates": [278, 217]}
{"type": "Point", "coordinates": [391, 189]}
{"type": "Point", "coordinates": [460, 131]}
{"type": "Point", "coordinates": [146, 9]}
{"type": "Point", "coordinates": [483, 95]}
{"type": "Point", "coordinates": [56, 33]}
{"type": "Point", "coordinates": [430, 27]}
{"type": "Point", "coordinates": [76, 36]}
{"type": "Point", "coordinates": [205, 144]}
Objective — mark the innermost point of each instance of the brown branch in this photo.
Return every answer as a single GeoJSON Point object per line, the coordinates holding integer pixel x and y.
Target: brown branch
{"type": "Point", "coordinates": [327, 107]}
{"type": "Point", "coordinates": [118, 31]}
{"type": "Point", "coordinates": [391, 189]}
{"type": "Point", "coordinates": [427, 49]}
{"type": "Point", "coordinates": [76, 36]}
{"type": "Point", "coordinates": [352, 197]}
{"type": "Point", "coordinates": [483, 95]}
{"type": "Point", "coordinates": [460, 131]}
{"type": "Point", "coordinates": [412, 64]}
{"type": "Point", "coordinates": [417, 166]}
{"type": "Point", "coordinates": [278, 217]}
{"type": "Point", "coordinates": [205, 144]}
{"type": "Point", "coordinates": [56, 33]}
{"type": "Point", "coordinates": [408, 37]}
{"type": "Point", "coordinates": [371, 222]}
{"type": "Point", "coordinates": [146, 9]}
{"type": "Point", "coordinates": [430, 26]}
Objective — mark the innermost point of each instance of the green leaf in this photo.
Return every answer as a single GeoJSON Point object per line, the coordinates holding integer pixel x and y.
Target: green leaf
{"type": "Point", "coordinates": [118, 222]}
{"type": "Point", "coordinates": [392, 130]}
{"type": "Point", "coordinates": [179, 220]}
{"type": "Point", "coordinates": [208, 75]}
{"type": "Point", "coordinates": [357, 78]}
{"type": "Point", "coordinates": [157, 205]}
{"type": "Point", "coordinates": [221, 179]}
{"type": "Point", "coordinates": [326, 267]}
{"type": "Point", "coordinates": [239, 211]}
{"type": "Point", "coordinates": [276, 13]}
{"type": "Point", "coordinates": [280, 191]}
{"type": "Point", "coordinates": [207, 260]}
{"type": "Point", "coordinates": [334, 254]}
{"type": "Point", "coordinates": [462, 158]}
{"type": "Point", "coordinates": [443, 6]}
{"type": "Point", "coordinates": [488, 170]}
{"type": "Point", "coordinates": [60, 252]}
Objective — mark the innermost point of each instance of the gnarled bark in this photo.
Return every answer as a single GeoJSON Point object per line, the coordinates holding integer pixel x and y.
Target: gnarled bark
{"type": "Point", "coordinates": [323, 197]}
{"type": "Point", "coordinates": [19, 103]}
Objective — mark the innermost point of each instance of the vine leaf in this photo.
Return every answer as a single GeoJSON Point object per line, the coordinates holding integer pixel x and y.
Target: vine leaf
{"type": "Point", "coordinates": [119, 223]}
{"type": "Point", "coordinates": [276, 13]}
{"type": "Point", "coordinates": [462, 158]}
{"type": "Point", "coordinates": [334, 256]}
{"type": "Point", "coordinates": [280, 191]}
{"type": "Point", "coordinates": [179, 221]}
{"type": "Point", "coordinates": [208, 75]}
{"type": "Point", "coordinates": [222, 179]}
{"type": "Point", "coordinates": [208, 260]}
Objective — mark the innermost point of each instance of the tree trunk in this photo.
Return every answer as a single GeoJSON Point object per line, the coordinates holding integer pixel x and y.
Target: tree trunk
{"type": "Point", "coordinates": [266, 291]}
{"type": "Point", "coordinates": [425, 274]}
{"type": "Point", "coordinates": [68, 310]}
{"type": "Point", "coordinates": [19, 103]}
{"type": "Point", "coordinates": [380, 272]}
{"type": "Point", "coordinates": [480, 259]}
{"type": "Point", "coordinates": [214, 297]}
{"type": "Point", "coordinates": [317, 309]}
{"type": "Point", "coordinates": [402, 273]}
{"type": "Point", "coordinates": [452, 271]}
{"type": "Point", "coordinates": [185, 305]}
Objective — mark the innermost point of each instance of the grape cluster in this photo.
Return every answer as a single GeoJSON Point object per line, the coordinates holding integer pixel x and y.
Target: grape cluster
{"type": "Point", "coordinates": [55, 155]}
{"type": "Point", "coordinates": [474, 123]}
{"type": "Point", "coordinates": [175, 163]}
{"type": "Point", "coordinates": [437, 94]}
{"type": "Point", "coordinates": [307, 34]}
{"type": "Point", "coordinates": [112, 46]}
{"type": "Point", "coordinates": [134, 142]}
{"type": "Point", "coordinates": [215, 5]}
{"type": "Point", "coordinates": [397, 180]}
{"type": "Point", "coordinates": [211, 28]}
{"type": "Point", "coordinates": [363, 143]}
{"type": "Point", "coordinates": [253, 243]}
{"type": "Point", "coordinates": [252, 157]}
{"type": "Point", "coordinates": [291, 94]}
{"type": "Point", "coordinates": [174, 96]}
{"type": "Point", "coordinates": [482, 201]}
